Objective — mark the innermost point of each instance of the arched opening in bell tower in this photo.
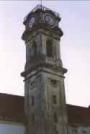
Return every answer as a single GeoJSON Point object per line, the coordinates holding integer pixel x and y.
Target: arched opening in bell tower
{"type": "Point", "coordinates": [49, 48]}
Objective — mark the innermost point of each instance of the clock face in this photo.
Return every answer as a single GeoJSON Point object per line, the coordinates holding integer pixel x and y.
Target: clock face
{"type": "Point", "coordinates": [49, 19]}
{"type": "Point", "coordinates": [31, 22]}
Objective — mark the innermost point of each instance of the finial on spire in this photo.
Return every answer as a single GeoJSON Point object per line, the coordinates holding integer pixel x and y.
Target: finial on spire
{"type": "Point", "coordinates": [41, 3]}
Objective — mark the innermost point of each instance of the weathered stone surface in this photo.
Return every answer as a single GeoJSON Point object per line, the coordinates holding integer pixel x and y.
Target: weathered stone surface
{"type": "Point", "coordinates": [44, 76]}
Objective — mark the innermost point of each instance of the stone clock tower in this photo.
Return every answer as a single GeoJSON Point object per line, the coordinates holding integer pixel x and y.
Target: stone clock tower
{"type": "Point", "coordinates": [44, 73]}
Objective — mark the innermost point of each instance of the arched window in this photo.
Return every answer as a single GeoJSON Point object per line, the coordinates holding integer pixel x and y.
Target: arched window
{"type": "Point", "coordinates": [49, 48]}
{"type": "Point", "coordinates": [34, 47]}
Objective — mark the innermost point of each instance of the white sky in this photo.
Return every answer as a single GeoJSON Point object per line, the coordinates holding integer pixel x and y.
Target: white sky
{"type": "Point", "coordinates": [75, 46]}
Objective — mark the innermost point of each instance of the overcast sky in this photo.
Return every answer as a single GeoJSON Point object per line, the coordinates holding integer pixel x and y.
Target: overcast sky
{"type": "Point", "coordinates": [75, 46]}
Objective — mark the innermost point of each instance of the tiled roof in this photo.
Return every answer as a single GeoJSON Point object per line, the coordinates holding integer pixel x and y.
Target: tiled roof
{"type": "Point", "coordinates": [12, 109]}
{"type": "Point", "coordinates": [78, 115]}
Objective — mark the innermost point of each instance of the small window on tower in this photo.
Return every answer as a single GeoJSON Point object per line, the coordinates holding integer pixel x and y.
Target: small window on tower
{"type": "Point", "coordinates": [34, 47]}
{"type": "Point", "coordinates": [32, 85]}
{"type": "Point", "coordinates": [54, 99]}
{"type": "Point", "coordinates": [32, 117]}
{"type": "Point", "coordinates": [55, 117]}
{"type": "Point", "coordinates": [49, 48]}
{"type": "Point", "coordinates": [32, 100]}
{"type": "Point", "coordinates": [53, 82]}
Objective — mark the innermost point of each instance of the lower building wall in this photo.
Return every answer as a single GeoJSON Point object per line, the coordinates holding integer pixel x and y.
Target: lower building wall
{"type": "Point", "coordinates": [11, 128]}
{"type": "Point", "coordinates": [18, 128]}
{"type": "Point", "coordinates": [79, 130]}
